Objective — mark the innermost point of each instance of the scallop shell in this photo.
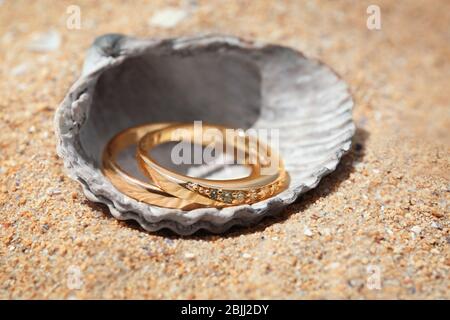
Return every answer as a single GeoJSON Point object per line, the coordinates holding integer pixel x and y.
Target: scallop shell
{"type": "Point", "coordinates": [220, 79]}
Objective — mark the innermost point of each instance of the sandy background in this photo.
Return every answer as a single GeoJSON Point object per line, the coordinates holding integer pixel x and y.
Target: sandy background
{"type": "Point", "coordinates": [384, 211]}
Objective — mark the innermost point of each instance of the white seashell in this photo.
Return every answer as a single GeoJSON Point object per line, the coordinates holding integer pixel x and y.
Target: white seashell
{"type": "Point", "coordinates": [218, 79]}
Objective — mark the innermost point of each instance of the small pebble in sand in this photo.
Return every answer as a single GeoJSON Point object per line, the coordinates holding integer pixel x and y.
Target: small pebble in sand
{"type": "Point", "coordinates": [53, 191]}
{"type": "Point", "coordinates": [325, 232]}
{"type": "Point", "coordinates": [167, 18]}
{"type": "Point", "coordinates": [170, 242]}
{"type": "Point", "coordinates": [416, 229]}
{"type": "Point", "coordinates": [47, 41]}
{"type": "Point", "coordinates": [436, 225]}
{"type": "Point", "coordinates": [246, 256]}
{"type": "Point", "coordinates": [307, 232]}
{"type": "Point", "coordinates": [333, 266]}
{"type": "Point", "coordinates": [437, 214]}
{"type": "Point", "coordinates": [189, 255]}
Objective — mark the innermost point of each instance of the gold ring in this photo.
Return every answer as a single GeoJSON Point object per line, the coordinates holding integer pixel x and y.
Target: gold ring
{"type": "Point", "coordinates": [146, 192]}
{"type": "Point", "coordinates": [250, 189]}
{"type": "Point", "coordinates": [132, 187]}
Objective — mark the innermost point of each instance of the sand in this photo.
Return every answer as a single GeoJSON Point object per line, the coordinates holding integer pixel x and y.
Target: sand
{"type": "Point", "coordinates": [378, 227]}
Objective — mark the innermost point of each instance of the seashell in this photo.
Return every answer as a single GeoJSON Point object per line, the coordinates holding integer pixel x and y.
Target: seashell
{"type": "Point", "coordinates": [219, 79]}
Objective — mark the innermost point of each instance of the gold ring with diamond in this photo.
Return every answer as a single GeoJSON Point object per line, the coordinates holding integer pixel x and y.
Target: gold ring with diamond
{"type": "Point", "coordinates": [142, 191]}
{"type": "Point", "coordinates": [247, 190]}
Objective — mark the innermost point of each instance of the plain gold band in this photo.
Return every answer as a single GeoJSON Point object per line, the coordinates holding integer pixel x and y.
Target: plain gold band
{"type": "Point", "coordinates": [134, 188]}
